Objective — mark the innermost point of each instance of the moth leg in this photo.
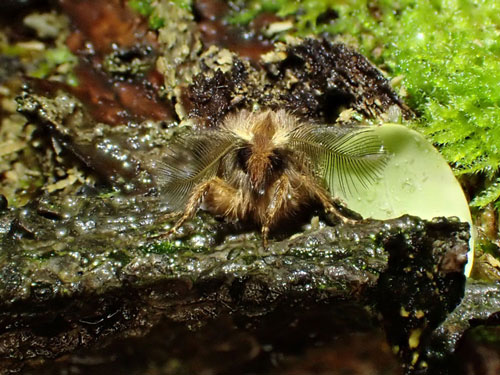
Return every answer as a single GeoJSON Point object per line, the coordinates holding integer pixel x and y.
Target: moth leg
{"type": "Point", "coordinates": [326, 200]}
{"type": "Point", "coordinates": [193, 204]}
{"type": "Point", "coordinates": [171, 215]}
{"type": "Point", "coordinates": [280, 190]}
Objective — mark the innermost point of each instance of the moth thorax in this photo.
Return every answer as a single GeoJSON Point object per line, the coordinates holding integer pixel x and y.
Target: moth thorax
{"type": "Point", "coordinates": [259, 168]}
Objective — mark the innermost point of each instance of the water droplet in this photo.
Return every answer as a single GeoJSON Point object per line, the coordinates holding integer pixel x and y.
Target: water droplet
{"type": "Point", "coordinates": [61, 232]}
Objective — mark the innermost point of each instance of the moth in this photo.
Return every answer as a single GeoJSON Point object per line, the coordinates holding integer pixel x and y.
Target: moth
{"type": "Point", "coordinates": [266, 166]}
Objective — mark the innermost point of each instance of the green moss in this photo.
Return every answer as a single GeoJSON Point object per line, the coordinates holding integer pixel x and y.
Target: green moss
{"type": "Point", "coordinates": [156, 22]}
{"type": "Point", "coordinates": [488, 195]}
{"type": "Point", "coordinates": [52, 59]}
{"type": "Point", "coordinates": [306, 12]}
{"type": "Point", "coordinates": [147, 8]}
{"type": "Point", "coordinates": [46, 63]}
{"type": "Point", "coordinates": [184, 4]}
{"type": "Point", "coordinates": [121, 256]}
{"type": "Point", "coordinates": [13, 50]}
{"type": "Point", "coordinates": [143, 7]}
{"type": "Point", "coordinates": [163, 247]}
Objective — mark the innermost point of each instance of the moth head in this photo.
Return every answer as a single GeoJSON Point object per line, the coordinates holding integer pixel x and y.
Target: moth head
{"type": "Point", "coordinates": [259, 157]}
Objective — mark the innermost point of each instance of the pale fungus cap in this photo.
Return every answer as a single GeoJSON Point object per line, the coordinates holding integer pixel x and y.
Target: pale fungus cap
{"type": "Point", "coordinates": [416, 180]}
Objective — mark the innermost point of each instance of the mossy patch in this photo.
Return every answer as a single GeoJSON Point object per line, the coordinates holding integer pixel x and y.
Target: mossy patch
{"type": "Point", "coordinates": [311, 16]}
{"type": "Point", "coordinates": [167, 247]}
{"type": "Point", "coordinates": [147, 8]}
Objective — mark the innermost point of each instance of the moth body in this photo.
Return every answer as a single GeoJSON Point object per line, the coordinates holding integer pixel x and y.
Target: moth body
{"type": "Point", "coordinates": [265, 166]}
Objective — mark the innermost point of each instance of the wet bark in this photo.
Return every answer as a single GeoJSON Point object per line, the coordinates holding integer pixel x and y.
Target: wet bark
{"type": "Point", "coordinates": [74, 292]}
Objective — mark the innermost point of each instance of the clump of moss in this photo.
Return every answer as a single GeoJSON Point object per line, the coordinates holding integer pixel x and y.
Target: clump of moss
{"type": "Point", "coordinates": [58, 61]}
{"type": "Point", "coordinates": [147, 8]}
{"type": "Point", "coordinates": [164, 247]}
{"type": "Point", "coordinates": [446, 55]}
{"type": "Point", "coordinates": [311, 16]}
{"type": "Point", "coordinates": [46, 56]}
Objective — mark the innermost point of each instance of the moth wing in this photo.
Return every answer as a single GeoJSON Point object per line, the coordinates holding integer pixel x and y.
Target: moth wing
{"type": "Point", "coordinates": [346, 158]}
{"type": "Point", "coordinates": [190, 160]}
